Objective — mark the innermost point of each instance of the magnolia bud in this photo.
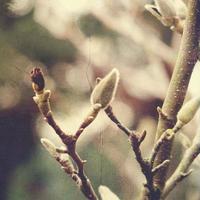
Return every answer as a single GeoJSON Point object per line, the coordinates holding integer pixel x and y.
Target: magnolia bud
{"type": "Point", "coordinates": [42, 100]}
{"type": "Point", "coordinates": [107, 194]}
{"type": "Point", "coordinates": [37, 78]}
{"type": "Point", "coordinates": [66, 164]}
{"type": "Point", "coordinates": [154, 11]}
{"type": "Point", "coordinates": [181, 9]}
{"type": "Point", "coordinates": [50, 147]}
{"type": "Point", "coordinates": [188, 111]}
{"type": "Point", "coordinates": [167, 10]}
{"type": "Point", "coordinates": [105, 90]}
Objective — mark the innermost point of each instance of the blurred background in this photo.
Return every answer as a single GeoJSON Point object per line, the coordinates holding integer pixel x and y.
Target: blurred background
{"type": "Point", "coordinates": [75, 41]}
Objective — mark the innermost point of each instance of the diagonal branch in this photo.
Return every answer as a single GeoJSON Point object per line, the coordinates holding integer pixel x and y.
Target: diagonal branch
{"type": "Point", "coordinates": [113, 118]}
{"type": "Point", "coordinates": [182, 170]}
{"type": "Point", "coordinates": [186, 60]}
{"type": "Point", "coordinates": [136, 140]}
{"type": "Point", "coordinates": [42, 99]}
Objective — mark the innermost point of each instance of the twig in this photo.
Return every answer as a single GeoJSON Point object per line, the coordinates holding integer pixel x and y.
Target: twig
{"type": "Point", "coordinates": [113, 118]}
{"type": "Point", "coordinates": [42, 98]}
{"type": "Point", "coordinates": [186, 60]}
{"type": "Point", "coordinates": [144, 164]}
{"type": "Point", "coordinates": [88, 120]}
{"type": "Point", "coordinates": [154, 193]}
{"type": "Point", "coordinates": [182, 169]}
{"type": "Point", "coordinates": [166, 136]}
{"type": "Point", "coordinates": [136, 141]}
{"type": "Point", "coordinates": [160, 166]}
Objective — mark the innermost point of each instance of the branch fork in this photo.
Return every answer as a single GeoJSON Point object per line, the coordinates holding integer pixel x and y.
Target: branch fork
{"type": "Point", "coordinates": [77, 173]}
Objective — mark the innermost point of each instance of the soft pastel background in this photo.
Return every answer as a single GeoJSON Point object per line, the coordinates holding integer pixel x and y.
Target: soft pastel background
{"type": "Point", "coordinates": [75, 41]}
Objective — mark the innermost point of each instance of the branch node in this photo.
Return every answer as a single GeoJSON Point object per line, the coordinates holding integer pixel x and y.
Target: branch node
{"type": "Point", "coordinates": [162, 114]}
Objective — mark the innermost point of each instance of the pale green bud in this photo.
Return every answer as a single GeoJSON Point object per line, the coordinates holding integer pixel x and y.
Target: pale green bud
{"type": "Point", "coordinates": [107, 194]}
{"type": "Point", "coordinates": [50, 147]}
{"type": "Point", "coordinates": [105, 90]}
{"type": "Point", "coordinates": [188, 110]}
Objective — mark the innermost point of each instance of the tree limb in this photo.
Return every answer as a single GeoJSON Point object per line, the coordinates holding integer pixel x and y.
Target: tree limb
{"type": "Point", "coordinates": [187, 57]}
{"type": "Point", "coordinates": [42, 99]}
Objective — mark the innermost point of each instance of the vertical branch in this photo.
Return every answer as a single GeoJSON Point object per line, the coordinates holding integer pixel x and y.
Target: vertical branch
{"type": "Point", "coordinates": [187, 57]}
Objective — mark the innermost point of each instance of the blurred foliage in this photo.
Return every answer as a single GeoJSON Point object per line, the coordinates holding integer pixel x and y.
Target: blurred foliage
{"type": "Point", "coordinates": [36, 43]}
{"type": "Point", "coordinates": [91, 26]}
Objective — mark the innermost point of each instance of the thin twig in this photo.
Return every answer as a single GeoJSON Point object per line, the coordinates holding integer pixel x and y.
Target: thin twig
{"type": "Point", "coordinates": [88, 120]}
{"type": "Point", "coordinates": [136, 140]}
{"type": "Point", "coordinates": [111, 115]}
{"type": "Point", "coordinates": [182, 170]}
{"type": "Point", "coordinates": [166, 136]}
{"type": "Point", "coordinates": [160, 166]}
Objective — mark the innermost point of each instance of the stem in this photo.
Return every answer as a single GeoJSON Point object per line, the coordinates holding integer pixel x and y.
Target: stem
{"type": "Point", "coordinates": [187, 57]}
{"type": "Point", "coordinates": [182, 170]}
{"type": "Point", "coordinates": [85, 186]}
{"type": "Point", "coordinates": [113, 118]}
{"type": "Point", "coordinates": [136, 140]}
{"type": "Point", "coordinates": [42, 99]}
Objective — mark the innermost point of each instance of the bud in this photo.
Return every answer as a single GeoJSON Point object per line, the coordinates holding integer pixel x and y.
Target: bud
{"type": "Point", "coordinates": [37, 79]}
{"type": "Point", "coordinates": [107, 194]}
{"type": "Point", "coordinates": [188, 111]}
{"type": "Point", "coordinates": [50, 147]}
{"type": "Point", "coordinates": [66, 164]}
{"type": "Point", "coordinates": [167, 10]}
{"type": "Point", "coordinates": [42, 100]}
{"type": "Point", "coordinates": [154, 11]}
{"type": "Point", "coordinates": [181, 9]}
{"type": "Point", "coordinates": [105, 90]}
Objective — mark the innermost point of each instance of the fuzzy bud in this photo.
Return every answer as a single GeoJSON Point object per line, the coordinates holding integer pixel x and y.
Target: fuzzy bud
{"type": "Point", "coordinates": [181, 9]}
{"type": "Point", "coordinates": [154, 11]}
{"type": "Point", "coordinates": [188, 111]}
{"type": "Point", "coordinates": [50, 147]}
{"type": "Point", "coordinates": [42, 100]}
{"type": "Point", "coordinates": [107, 194]}
{"type": "Point", "coordinates": [66, 163]}
{"type": "Point", "coordinates": [105, 90]}
{"type": "Point", "coordinates": [167, 10]}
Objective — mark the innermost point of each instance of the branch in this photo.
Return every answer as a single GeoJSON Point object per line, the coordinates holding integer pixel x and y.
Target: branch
{"type": "Point", "coordinates": [153, 194]}
{"type": "Point", "coordinates": [183, 167]}
{"type": "Point", "coordinates": [136, 141]}
{"type": "Point", "coordinates": [166, 137]}
{"type": "Point", "coordinates": [186, 60]}
{"type": "Point", "coordinates": [42, 99]}
{"type": "Point", "coordinates": [113, 118]}
{"type": "Point", "coordinates": [88, 120]}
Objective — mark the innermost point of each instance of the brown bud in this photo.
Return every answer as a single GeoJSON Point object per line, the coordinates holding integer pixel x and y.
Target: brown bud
{"type": "Point", "coordinates": [37, 79]}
